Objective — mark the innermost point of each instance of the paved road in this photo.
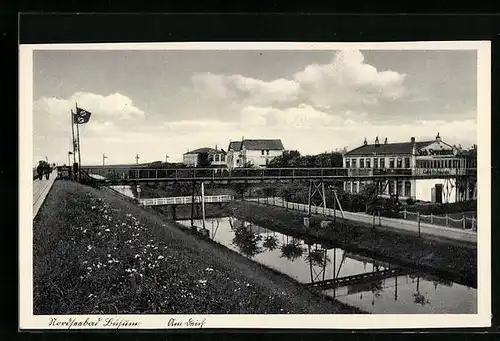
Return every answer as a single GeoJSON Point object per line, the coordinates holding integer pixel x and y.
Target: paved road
{"type": "Point", "coordinates": [40, 190]}
{"type": "Point", "coordinates": [399, 224]}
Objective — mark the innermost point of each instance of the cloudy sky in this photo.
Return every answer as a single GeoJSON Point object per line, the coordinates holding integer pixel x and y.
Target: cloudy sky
{"type": "Point", "coordinates": [157, 103]}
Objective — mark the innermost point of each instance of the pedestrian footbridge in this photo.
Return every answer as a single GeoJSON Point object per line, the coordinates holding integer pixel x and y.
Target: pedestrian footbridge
{"type": "Point", "coordinates": [185, 200]}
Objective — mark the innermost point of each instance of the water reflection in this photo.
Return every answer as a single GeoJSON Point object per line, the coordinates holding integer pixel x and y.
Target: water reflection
{"type": "Point", "coordinates": [292, 249]}
{"type": "Point", "coordinates": [246, 240]}
{"type": "Point", "coordinates": [372, 285]}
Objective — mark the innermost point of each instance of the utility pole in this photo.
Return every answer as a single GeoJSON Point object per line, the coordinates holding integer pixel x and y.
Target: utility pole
{"type": "Point", "coordinates": [104, 157]}
{"type": "Point", "coordinates": [137, 159]}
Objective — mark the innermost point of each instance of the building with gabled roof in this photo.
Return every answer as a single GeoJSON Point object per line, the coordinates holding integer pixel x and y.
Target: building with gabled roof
{"type": "Point", "coordinates": [214, 156]}
{"type": "Point", "coordinates": [423, 156]}
{"type": "Point", "coordinates": [253, 152]}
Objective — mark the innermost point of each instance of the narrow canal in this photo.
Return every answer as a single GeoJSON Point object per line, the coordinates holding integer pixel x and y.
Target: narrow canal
{"type": "Point", "coordinates": [308, 262]}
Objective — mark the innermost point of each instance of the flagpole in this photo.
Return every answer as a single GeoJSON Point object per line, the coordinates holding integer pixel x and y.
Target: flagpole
{"type": "Point", "coordinates": [73, 135]}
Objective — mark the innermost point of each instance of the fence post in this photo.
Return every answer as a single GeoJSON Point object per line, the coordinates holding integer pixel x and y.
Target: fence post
{"type": "Point", "coordinates": [404, 213]}
{"type": "Point", "coordinates": [447, 220]}
{"type": "Point", "coordinates": [432, 220]}
{"type": "Point", "coordinates": [463, 221]}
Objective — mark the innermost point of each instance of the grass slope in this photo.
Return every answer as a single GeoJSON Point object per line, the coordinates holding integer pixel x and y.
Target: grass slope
{"type": "Point", "coordinates": [95, 253]}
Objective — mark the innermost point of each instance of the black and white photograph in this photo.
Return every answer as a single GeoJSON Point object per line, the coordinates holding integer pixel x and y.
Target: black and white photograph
{"type": "Point", "coordinates": [255, 185]}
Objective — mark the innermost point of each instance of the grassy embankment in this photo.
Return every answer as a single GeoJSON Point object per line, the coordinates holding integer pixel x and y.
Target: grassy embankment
{"type": "Point", "coordinates": [95, 253]}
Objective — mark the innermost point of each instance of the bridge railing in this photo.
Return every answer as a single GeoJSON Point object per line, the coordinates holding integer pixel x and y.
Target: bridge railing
{"type": "Point", "coordinates": [248, 173]}
{"type": "Point", "coordinates": [185, 200]}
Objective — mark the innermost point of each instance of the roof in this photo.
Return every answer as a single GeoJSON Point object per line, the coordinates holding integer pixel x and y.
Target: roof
{"type": "Point", "coordinates": [205, 150]}
{"type": "Point", "coordinates": [259, 144]}
{"type": "Point", "coordinates": [236, 145]}
{"type": "Point", "coordinates": [388, 148]}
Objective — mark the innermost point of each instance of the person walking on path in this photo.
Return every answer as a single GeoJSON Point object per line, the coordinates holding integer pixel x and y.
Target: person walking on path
{"type": "Point", "coordinates": [40, 169]}
{"type": "Point", "coordinates": [48, 170]}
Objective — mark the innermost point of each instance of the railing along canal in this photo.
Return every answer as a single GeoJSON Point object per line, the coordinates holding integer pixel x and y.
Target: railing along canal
{"type": "Point", "coordinates": [207, 174]}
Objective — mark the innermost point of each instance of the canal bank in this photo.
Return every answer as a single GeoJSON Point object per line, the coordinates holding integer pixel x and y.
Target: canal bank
{"type": "Point", "coordinates": [363, 274]}
{"type": "Point", "coordinates": [453, 262]}
{"type": "Point", "coordinates": [100, 254]}
{"type": "Point", "coordinates": [370, 284]}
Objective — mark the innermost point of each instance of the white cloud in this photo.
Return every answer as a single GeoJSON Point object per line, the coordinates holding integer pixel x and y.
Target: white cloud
{"type": "Point", "coordinates": [347, 79]}
{"type": "Point", "coordinates": [211, 86]}
{"type": "Point", "coordinates": [303, 116]}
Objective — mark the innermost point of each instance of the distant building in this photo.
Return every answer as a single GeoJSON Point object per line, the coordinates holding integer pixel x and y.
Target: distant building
{"type": "Point", "coordinates": [255, 153]}
{"type": "Point", "coordinates": [210, 156]}
{"type": "Point", "coordinates": [414, 156]}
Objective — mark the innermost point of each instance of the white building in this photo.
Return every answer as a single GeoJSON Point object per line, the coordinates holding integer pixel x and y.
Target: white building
{"type": "Point", "coordinates": [431, 157]}
{"type": "Point", "coordinates": [215, 157]}
{"type": "Point", "coordinates": [255, 153]}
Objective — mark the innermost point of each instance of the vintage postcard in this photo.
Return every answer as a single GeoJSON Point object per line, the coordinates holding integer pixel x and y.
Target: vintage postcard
{"type": "Point", "coordinates": [255, 185]}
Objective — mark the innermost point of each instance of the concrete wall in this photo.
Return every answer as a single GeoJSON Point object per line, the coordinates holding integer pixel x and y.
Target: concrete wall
{"type": "Point", "coordinates": [423, 190]}
{"type": "Point", "coordinates": [259, 160]}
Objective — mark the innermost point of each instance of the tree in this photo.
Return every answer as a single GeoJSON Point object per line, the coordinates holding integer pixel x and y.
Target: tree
{"type": "Point", "coordinates": [289, 158]}
{"type": "Point", "coordinates": [369, 195]}
{"type": "Point", "coordinates": [203, 160]}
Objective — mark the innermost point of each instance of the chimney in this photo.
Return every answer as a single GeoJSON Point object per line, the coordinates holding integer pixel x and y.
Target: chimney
{"type": "Point", "coordinates": [377, 143]}
{"type": "Point", "coordinates": [385, 141]}
{"type": "Point", "coordinates": [365, 142]}
{"type": "Point", "coordinates": [412, 139]}
{"type": "Point", "coordinates": [438, 138]}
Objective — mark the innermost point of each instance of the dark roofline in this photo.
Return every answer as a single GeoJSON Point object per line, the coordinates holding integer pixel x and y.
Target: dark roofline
{"type": "Point", "coordinates": [204, 150]}
{"type": "Point", "coordinates": [421, 144]}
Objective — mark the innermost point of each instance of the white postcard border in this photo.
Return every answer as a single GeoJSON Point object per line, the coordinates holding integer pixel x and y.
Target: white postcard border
{"type": "Point", "coordinates": [482, 319]}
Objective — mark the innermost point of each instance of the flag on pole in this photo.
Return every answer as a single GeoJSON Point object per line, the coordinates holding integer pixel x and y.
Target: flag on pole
{"type": "Point", "coordinates": [81, 116]}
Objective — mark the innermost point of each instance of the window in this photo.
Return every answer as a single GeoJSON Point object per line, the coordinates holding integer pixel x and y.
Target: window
{"type": "Point", "coordinates": [347, 163]}
{"type": "Point", "coordinates": [407, 189]}
{"type": "Point", "coordinates": [361, 163]}
{"type": "Point", "coordinates": [353, 163]}
{"type": "Point", "coordinates": [399, 163]}
{"type": "Point", "coordinates": [368, 163]}
{"type": "Point", "coordinates": [216, 157]}
{"type": "Point", "coordinates": [375, 163]}
{"type": "Point", "coordinates": [382, 163]}
{"type": "Point", "coordinates": [262, 152]}
{"type": "Point", "coordinates": [391, 187]}
{"type": "Point", "coordinates": [407, 162]}
{"type": "Point", "coordinates": [391, 163]}
{"type": "Point", "coordinates": [223, 157]}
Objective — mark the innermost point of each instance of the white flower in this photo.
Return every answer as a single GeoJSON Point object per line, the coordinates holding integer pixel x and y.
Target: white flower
{"type": "Point", "coordinates": [160, 257]}
{"type": "Point", "coordinates": [107, 230]}
{"type": "Point", "coordinates": [202, 281]}
{"type": "Point", "coordinates": [209, 269]}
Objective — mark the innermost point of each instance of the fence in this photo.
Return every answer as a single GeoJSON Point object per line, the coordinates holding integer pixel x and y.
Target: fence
{"type": "Point", "coordinates": [447, 220]}
{"type": "Point", "coordinates": [464, 223]}
{"type": "Point", "coordinates": [185, 200]}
